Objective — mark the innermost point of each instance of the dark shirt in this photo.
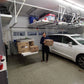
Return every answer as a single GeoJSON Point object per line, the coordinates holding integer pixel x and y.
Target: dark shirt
{"type": "Point", "coordinates": [42, 40]}
{"type": "Point", "coordinates": [6, 47]}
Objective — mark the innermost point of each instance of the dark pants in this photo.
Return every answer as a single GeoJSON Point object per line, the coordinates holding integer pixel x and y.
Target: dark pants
{"type": "Point", "coordinates": [6, 56]}
{"type": "Point", "coordinates": [45, 49]}
{"type": "Point", "coordinates": [6, 47]}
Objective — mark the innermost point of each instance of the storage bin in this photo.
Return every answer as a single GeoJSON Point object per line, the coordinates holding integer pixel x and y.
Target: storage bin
{"type": "Point", "coordinates": [49, 17]}
{"type": "Point", "coordinates": [1, 57]}
{"type": "Point", "coordinates": [1, 66]}
{"type": "Point", "coordinates": [32, 19]}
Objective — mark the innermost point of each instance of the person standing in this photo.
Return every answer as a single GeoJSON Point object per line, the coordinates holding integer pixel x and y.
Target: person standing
{"type": "Point", "coordinates": [45, 49]}
{"type": "Point", "coordinates": [6, 48]}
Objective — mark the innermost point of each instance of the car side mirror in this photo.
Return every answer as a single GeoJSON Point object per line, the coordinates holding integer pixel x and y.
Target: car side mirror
{"type": "Point", "coordinates": [70, 44]}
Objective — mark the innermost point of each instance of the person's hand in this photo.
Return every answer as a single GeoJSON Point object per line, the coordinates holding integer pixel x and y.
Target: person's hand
{"type": "Point", "coordinates": [44, 42]}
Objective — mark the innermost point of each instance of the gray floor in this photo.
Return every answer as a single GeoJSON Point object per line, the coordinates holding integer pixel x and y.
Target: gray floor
{"type": "Point", "coordinates": [29, 70]}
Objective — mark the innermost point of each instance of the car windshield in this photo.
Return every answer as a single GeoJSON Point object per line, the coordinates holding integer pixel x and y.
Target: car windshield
{"type": "Point", "coordinates": [79, 39]}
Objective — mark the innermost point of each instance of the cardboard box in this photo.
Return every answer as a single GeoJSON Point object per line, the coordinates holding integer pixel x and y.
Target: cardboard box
{"type": "Point", "coordinates": [48, 42]}
{"type": "Point", "coordinates": [34, 48]}
{"type": "Point", "coordinates": [23, 47]}
{"type": "Point", "coordinates": [23, 51]}
{"type": "Point", "coordinates": [27, 47]}
{"type": "Point", "coordinates": [31, 43]}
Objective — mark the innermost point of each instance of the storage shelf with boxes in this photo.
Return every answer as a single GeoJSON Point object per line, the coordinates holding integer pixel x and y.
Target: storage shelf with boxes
{"type": "Point", "coordinates": [27, 46]}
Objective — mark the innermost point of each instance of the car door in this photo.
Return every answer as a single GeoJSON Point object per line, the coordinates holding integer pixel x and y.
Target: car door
{"type": "Point", "coordinates": [68, 51]}
{"type": "Point", "coordinates": [57, 43]}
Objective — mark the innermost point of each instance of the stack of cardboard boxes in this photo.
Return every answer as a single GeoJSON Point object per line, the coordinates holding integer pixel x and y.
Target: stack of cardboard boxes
{"type": "Point", "coordinates": [27, 47]}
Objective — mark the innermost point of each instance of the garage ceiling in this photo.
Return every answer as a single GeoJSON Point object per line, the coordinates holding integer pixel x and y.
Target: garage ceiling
{"type": "Point", "coordinates": [49, 4]}
{"type": "Point", "coordinates": [81, 2]}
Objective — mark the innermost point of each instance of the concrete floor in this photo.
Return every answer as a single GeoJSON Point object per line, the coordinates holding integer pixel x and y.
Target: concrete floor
{"type": "Point", "coordinates": [29, 70]}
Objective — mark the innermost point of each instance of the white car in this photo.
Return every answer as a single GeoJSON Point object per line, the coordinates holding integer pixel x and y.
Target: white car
{"type": "Point", "coordinates": [69, 46]}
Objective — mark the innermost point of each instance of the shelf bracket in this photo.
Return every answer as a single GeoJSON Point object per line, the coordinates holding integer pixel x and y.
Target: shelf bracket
{"type": "Point", "coordinates": [15, 11]}
{"type": "Point", "coordinates": [62, 9]}
{"type": "Point", "coordinates": [20, 8]}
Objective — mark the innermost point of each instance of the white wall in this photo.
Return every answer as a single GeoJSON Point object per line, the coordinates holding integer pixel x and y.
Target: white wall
{"type": "Point", "coordinates": [6, 36]}
{"type": "Point", "coordinates": [22, 22]}
{"type": "Point", "coordinates": [6, 33]}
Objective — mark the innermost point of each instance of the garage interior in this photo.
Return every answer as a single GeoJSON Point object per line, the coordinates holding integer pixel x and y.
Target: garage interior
{"type": "Point", "coordinates": [15, 26]}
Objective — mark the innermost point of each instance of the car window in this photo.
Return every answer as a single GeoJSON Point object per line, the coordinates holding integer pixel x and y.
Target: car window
{"type": "Point", "coordinates": [52, 37]}
{"type": "Point", "coordinates": [66, 40]}
{"type": "Point", "coordinates": [56, 38]}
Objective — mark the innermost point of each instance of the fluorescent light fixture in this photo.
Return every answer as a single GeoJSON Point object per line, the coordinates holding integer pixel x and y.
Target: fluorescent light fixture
{"type": "Point", "coordinates": [72, 4]}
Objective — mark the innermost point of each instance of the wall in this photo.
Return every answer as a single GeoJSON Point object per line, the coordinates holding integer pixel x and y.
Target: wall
{"type": "Point", "coordinates": [6, 34]}
{"type": "Point", "coordinates": [22, 22]}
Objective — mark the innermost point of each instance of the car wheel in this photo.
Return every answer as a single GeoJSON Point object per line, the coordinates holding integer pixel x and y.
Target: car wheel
{"type": "Point", "coordinates": [80, 61]}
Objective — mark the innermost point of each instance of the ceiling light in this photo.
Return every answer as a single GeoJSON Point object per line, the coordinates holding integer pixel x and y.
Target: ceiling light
{"type": "Point", "coordinates": [72, 4]}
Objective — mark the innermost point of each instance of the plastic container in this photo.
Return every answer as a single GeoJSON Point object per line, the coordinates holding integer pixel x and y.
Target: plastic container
{"type": "Point", "coordinates": [49, 17]}
{"type": "Point", "coordinates": [1, 66]}
{"type": "Point", "coordinates": [31, 18]}
{"type": "Point", "coordinates": [1, 57]}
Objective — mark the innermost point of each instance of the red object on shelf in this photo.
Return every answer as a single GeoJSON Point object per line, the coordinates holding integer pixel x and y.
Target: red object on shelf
{"type": "Point", "coordinates": [50, 15]}
{"type": "Point", "coordinates": [1, 57]}
{"type": "Point", "coordinates": [1, 66]}
{"type": "Point", "coordinates": [37, 28]}
{"type": "Point", "coordinates": [45, 18]}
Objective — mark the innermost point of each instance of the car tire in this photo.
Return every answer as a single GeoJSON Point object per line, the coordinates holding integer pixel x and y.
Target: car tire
{"type": "Point", "coordinates": [80, 61]}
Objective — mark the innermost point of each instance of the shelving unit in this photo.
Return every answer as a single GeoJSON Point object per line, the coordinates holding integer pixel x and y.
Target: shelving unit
{"type": "Point", "coordinates": [20, 6]}
{"type": "Point", "coordinates": [52, 25]}
{"type": "Point", "coordinates": [29, 53]}
{"type": "Point", "coordinates": [41, 23]}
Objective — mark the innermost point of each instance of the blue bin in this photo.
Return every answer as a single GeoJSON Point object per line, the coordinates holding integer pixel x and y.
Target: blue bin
{"type": "Point", "coordinates": [32, 18]}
